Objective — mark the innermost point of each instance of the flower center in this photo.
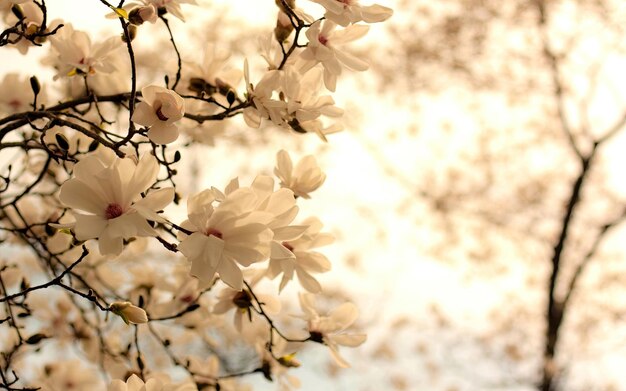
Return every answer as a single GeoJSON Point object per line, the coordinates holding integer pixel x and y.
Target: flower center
{"type": "Point", "coordinates": [112, 211]}
{"type": "Point", "coordinates": [242, 299]}
{"type": "Point", "coordinates": [15, 104]}
{"type": "Point", "coordinates": [323, 40]}
{"type": "Point", "coordinates": [288, 246]}
{"type": "Point", "coordinates": [214, 232]}
{"type": "Point", "coordinates": [160, 114]}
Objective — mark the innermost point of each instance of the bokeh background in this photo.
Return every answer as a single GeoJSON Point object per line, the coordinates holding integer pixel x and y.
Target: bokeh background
{"type": "Point", "coordinates": [448, 189]}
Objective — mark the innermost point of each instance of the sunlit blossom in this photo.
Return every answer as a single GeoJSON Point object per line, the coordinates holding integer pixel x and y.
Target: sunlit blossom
{"type": "Point", "coordinates": [323, 48]}
{"type": "Point", "coordinates": [302, 179]}
{"type": "Point", "coordinates": [330, 329]}
{"type": "Point", "coordinates": [159, 111]}
{"type": "Point", "coordinates": [345, 12]}
{"type": "Point", "coordinates": [76, 55]}
{"type": "Point", "coordinates": [170, 6]}
{"type": "Point", "coordinates": [224, 236]}
{"type": "Point", "coordinates": [109, 190]}
{"type": "Point", "coordinates": [296, 257]}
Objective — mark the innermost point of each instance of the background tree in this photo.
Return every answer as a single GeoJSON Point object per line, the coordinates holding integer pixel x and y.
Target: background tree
{"type": "Point", "coordinates": [513, 173]}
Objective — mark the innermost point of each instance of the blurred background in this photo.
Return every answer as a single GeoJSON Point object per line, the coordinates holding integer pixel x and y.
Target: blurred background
{"type": "Point", "coordinates": [484, 146]}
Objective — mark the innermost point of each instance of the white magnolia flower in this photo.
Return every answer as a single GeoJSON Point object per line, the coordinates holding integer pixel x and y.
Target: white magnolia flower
{"type": "Point", "coordinates": [345, 12]}
{"type": "Point", "coordinates": [109, 190]}
{"type": "Point", "coordinates": [214, 71]}
{"type": "Point", "coordinates": [159, 110]}
{"type": "Point", "coordinates": [76, 55]}
{"type": "Point", "coordinates": [170, 6]}
{"type": "Point", "coordinates": [263, 105]}
{"type": "Point", "coordinates": [5, 5]}
{"type": "Point", "coordinates": [303, 103]}
{"type": "Point", "coordinates": [323, 48]}
{"type": "Point", "coordinates": [138, 13]}
{"type": "Point", "coordinates": [33, 18]}
{"type": "Point", "coordinates": [242, 302]}
{"type": "Point", "coordinates": [329, 329]}
{"type": "Point", "coordinates": [303, 179]}
{"type": "Point", "coordinates": [68, 375]}
{"type": "Point", "coordinates": [295, 257]}
{"type": "Point", "coordinates": [129, 312]}
{"type": "Point", "coordinates": [231, 233]}
{"type": "Point", "coordinates": [134, 383]}
{"type": "Point", "coordinates": [281, 206]}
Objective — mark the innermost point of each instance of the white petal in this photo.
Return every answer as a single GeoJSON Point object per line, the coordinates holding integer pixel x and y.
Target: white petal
{"type": "Point", "coordinates": [230, 274]}
{"type": "Point", "coordinates": [375, 13]}
{"type": "Point", "coordinates": [144, 115]}
{"type": "Point", "coordinates": [162, 133]}
{"type": "Point", "coordinates": [77, 195]}
{"type": "Point", "coordinates": [88, 226]}
{"type": "Point", "coordinates": [308, 282]}
{"type": "Point", "coordinates": [351, 340]}
{"type": "Point", "coordinates": [154, 202]}
{"type": "Point", "coordinates": [344, 315]}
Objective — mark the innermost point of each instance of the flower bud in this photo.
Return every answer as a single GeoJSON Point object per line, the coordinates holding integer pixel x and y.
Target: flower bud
{"type": "Point", "coordinates": [128, 312]}
{"type": "Point", "coordinates": [132, 32]}
{"type": "Point", "coordinates": [34, 84]}
{"type": "Point", "coordinates": [283, 27]}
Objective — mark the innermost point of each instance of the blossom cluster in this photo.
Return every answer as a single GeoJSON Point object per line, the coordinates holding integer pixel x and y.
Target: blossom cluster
{"type": "Point", "coordinates": [92, 205]}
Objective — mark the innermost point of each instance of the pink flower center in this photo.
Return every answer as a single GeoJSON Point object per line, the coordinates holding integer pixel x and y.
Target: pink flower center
{"type": "Point", "coordinates": [15, 104]}
{"type": "Point", "coordinates": [288, 246]}
{"type": "Point", "coordinates": [112, 211]}
{"type": "Point", "coordinates": [214, 232]}
{"type": "Point", "coordinates": [160, 114]}
{"type": "Point", "coordinates": [323, 40]}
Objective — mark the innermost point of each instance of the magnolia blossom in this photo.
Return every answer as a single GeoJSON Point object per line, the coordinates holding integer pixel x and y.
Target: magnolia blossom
{"type": "Point", "coordinates": [226, 235]}
{"type": "Point", "coordinates": [303, 102]}
{"type": "Point", "coordinates": [213, 75]}
{"type": "Point", "coordinates": [138, 13]}
{"type": "Point", "coordinates": [303, 179]}
{"type": "Point", "coordinates": [329, 329]}
{"type": "Point", "coordinates": [295, 256]}
{"type": "Point", "coordinates": [263, 105]}
{"type": "Point", "coordinates": [109, 190]}
{"type": "Point", "coordinates": [77, 55]}
{"type": "Point", "coordinates": [159, 110]}
{"type": "Point", "coordinates": [170, 6]}
{"type": "Point", "coordinates": [241, 302]}
{"type": "Point", "coordinates": [5, 5]}
{"type": "Point", "coordinates": [134, 383]}
{"type": "Point", "coordinates": [323, 48]}
{"type": "Point", "coordinates": [33, 18]}
{"type": "Point", "coordinates": [69, 375]}
{"type": "Point", "coordinates": [128, 312]}
{"type": "Point", "coordinates": [280, 205]}
{"type": "Point", "coordinates": [143, 13]}
{"type": "Point", "coordinates": [345, 12]}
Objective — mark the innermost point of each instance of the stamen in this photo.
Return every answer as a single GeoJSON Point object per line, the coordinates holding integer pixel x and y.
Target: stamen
{"type": "Point", "coordinates": [112, 211]}
{"type": "Point", "coordinates": [214, 232]}
{"type": "Point", "coordinates": [161, 116]}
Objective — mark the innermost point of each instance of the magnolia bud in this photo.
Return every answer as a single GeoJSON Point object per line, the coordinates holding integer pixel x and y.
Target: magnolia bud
{"type": "Point", "coordinates": [132, 32]}
{"type": "Point", "coordinates": [128, 312]}
{"type": "Point", "coordinates": [283, 27]}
